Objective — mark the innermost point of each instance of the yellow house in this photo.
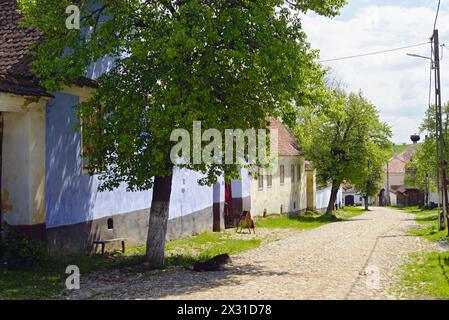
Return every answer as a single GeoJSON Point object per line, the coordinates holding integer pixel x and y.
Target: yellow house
{"type": "Point", "coordinates": [282, 190]}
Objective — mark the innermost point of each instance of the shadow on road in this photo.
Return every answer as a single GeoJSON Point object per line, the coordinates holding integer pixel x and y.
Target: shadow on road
{"type": "Point", "coordinates": [171, 283]}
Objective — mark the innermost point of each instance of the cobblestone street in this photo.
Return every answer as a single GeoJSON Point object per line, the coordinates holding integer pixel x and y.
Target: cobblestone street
{"type": "Point", "coordinates": [336, 261]}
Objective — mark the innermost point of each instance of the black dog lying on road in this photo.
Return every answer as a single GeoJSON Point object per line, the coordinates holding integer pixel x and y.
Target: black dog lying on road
{"type": "Point", "coordinates": [217, 263]}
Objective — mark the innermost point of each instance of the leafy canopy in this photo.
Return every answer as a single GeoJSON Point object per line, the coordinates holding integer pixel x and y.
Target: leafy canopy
{"type": "Point", "coordinates": [229, 64]}
{"type": "Point", "coordinates": [345, 139]}
{"type": "Point", "coordinates": [422, 169]}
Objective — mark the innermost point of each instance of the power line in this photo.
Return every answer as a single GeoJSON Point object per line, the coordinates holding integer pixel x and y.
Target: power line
{"type": "Point", "coordinates": [374, 53]}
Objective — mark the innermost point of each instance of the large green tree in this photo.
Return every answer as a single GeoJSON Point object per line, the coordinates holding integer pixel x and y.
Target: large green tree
{"type": "Point", "coordinates": [342, 138]}
{"type": "Point", "coordinates": [229, 64]}
{"type": "Point", "coordinates": [372, 174]}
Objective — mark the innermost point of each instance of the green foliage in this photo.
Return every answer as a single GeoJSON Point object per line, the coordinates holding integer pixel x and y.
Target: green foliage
{"type": "Point", "coordinates": [372, 176]}
{"type": "Point", "coordinates": [398, 148]}
{"type": "Point", "coordinates": [20, 253]}
{"type": "Point", "coordinates": [422, 170]}
{"type": "Point", "coordinates": [426, 275]}
{"type": "Point", "coordinates": [229, 64]}
{"type": "Point", "coordinates": [345, 140]}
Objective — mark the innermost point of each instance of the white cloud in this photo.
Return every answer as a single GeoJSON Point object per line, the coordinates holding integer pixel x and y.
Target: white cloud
{"type": "Point", "coordinates": [396, 83]}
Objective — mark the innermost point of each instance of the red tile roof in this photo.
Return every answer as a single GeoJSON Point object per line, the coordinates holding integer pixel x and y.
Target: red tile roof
{"type": "Point", "coordinates": [15, 42]}
{"type": "Point", "coordinates": [397, 163]}
{"type": "Point", "coordinates": [287, 145]}
{"type": "Point", "coordinates": [15, 76]}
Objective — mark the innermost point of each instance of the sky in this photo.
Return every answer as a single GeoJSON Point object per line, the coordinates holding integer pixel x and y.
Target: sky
{"type": "Point", "coordinates": [398, 85]}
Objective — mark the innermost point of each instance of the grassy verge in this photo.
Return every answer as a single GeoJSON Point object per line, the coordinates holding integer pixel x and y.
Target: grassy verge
{"type": "Point", "coordinates": [310, 221]}
{"type": "Point", "coordinates": [426, 275]}
{"type": "Point", "coordinates": [411, 209]}
{"type": "Point", "coordinates": [188, 250]}
{"type": "Point", "coordinates": [428, 221]}
{"type": "Point", "coordinates": [48, 280]}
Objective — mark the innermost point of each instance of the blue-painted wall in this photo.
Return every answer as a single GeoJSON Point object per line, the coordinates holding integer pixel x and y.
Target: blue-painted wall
{"type": "Point", "coordinates": [72, 197]}
{"type": "Point", "coordinates": [242, 188]}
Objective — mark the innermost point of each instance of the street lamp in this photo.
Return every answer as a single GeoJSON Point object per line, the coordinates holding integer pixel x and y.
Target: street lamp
{"type": "Point", "coordinates": [442, 194]}
{"type": "Point", "coordinates": [418, 56]}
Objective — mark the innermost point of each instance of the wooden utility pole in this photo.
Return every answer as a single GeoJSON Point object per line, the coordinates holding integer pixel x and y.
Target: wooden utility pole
{"type": "Point", "coordinates": [439, 120]}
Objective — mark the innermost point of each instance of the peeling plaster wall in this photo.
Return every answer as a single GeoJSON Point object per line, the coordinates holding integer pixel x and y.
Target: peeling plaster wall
{"type": "Point", "coordinates": [72, 197]}
{"type": "Point", "coordinates": [23, 172]}
{"type": "Point", "coordinates": [292, 196]}
{"type": "Point", "coordinates": [311, 190]}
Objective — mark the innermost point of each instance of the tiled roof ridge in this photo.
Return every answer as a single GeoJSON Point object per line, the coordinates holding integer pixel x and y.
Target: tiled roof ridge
{"type": "Point", "coordinates": [287, 144]}
{"type": "Point", "coordinates": [15, 42]}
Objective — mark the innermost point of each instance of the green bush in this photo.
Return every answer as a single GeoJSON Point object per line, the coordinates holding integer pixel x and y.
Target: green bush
{"type": "Point", "coordinates": [17, 252]}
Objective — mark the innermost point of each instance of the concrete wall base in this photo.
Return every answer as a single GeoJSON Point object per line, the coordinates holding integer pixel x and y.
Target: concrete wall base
{"type": "Point", "coordinates": [133, 226]}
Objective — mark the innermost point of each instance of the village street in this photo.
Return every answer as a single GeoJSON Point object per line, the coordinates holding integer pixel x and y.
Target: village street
{"type": "Point", "coordinates": [335, 261]}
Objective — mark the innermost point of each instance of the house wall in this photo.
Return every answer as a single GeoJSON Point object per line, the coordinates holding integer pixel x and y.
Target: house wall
{"type": "Point", "coordinates": [358, 199]}
{"type": "Point", "coordinates": [396, 179]}
{"type": "Point", "coordinates": [311, 190]}
{"type": "Point", "coordinates": [77, 213]}
{"type": "Point", "coordinates": [322, 198]}
{"type": "Point", "coordinates": [23, 168]}
{"type": "Point", "coordinates": [433, 197]}
{"type": "Point", "coordinates": [241, 195]}
{"type": "Point", "coordinates": [218, 206]}
{"type": "Point", "coordinates": [393, 199]}
{"type": "Point", "coordinates": [292, 196]}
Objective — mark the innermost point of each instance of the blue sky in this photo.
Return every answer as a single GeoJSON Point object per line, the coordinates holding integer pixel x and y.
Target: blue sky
{"type": "Point", "coordinates": [395, 83]}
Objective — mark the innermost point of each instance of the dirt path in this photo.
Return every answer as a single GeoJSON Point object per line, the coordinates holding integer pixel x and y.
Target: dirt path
{"type": "Point", "coordinates": [355, 259]}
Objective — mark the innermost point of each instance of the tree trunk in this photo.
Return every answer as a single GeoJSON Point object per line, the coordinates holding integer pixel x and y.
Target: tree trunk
{"type": "Point", "coordinates": [366, 203]}
{"type": "Point", "coordinates": [333, 198]}
{"type": "Point", "coordinates": [157, 227]}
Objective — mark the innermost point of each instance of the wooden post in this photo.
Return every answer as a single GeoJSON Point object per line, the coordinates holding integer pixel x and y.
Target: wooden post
{"type": "Point", "coordinates": [436, 50]}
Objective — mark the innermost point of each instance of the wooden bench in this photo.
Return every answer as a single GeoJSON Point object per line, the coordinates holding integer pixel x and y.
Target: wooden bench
{"type": "Point", "coordinates": [104, 242]}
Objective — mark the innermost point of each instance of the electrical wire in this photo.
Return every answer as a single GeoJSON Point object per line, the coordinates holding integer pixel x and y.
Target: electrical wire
{"type": "Point", "coordinates": [389, 50]}
{"type": "Point", "coordinates": [374, 53]}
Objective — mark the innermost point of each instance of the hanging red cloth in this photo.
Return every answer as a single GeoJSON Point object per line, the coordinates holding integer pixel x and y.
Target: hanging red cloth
{"type": "Point", "coordinates": [229, 217]}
